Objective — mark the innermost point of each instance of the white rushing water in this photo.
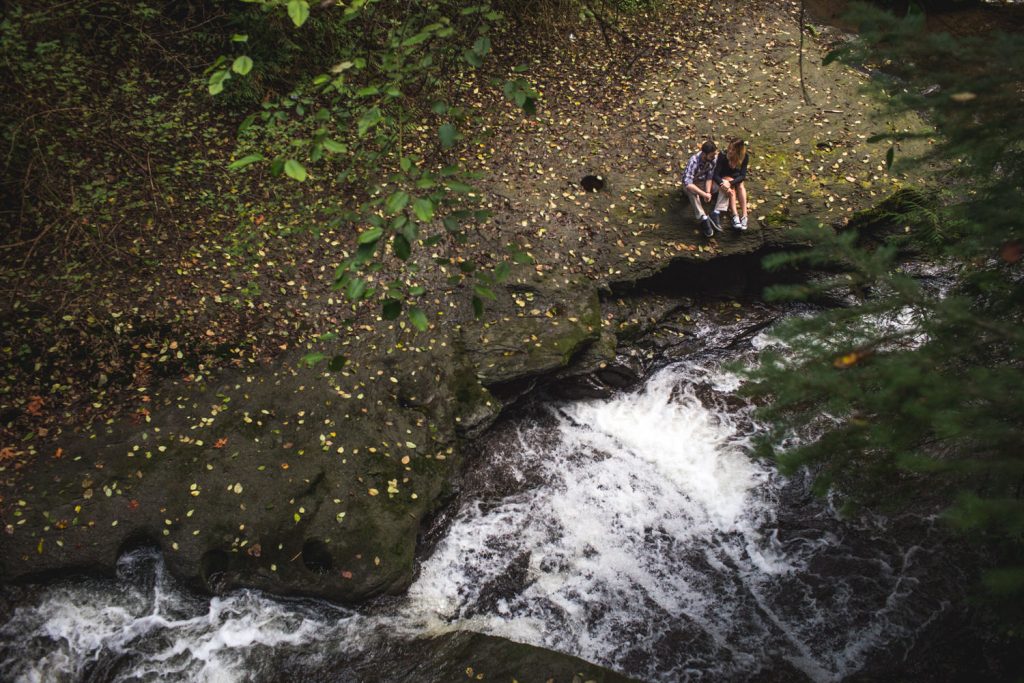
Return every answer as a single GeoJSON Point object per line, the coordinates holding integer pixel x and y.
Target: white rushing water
{"type": "Point", "coordinates": [635, 532]}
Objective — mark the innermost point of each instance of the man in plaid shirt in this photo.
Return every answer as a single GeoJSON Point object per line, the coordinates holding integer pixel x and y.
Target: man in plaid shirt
{"type": "Point", "coordinates": [697, 182]}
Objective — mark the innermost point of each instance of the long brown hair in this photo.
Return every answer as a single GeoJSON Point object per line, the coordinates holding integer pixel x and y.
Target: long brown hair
{"type": "Point", "coordinates": [736, 152]}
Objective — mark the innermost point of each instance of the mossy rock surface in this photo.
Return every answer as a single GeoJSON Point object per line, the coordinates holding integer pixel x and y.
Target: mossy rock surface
{"type": "Point", "coordinates": [535, 330]}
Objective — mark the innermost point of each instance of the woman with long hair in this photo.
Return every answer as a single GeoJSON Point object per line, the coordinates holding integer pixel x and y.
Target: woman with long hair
{"type": "Point", "coordinates": [730, 172]}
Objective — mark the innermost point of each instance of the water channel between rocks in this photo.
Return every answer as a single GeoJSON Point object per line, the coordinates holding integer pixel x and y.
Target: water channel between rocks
{"type": "Point", "coordinates": [635, 532]}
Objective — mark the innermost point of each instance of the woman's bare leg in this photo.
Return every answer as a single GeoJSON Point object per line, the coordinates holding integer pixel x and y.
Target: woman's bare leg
{"type": "Point", "coordinates": [741, 193]}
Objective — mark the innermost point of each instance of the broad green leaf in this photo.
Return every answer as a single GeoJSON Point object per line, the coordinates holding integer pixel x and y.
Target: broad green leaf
{"type": "Point", "coordinates": [439, 107]}
{"type": "Point", "coordinates": [405, 164]}
{"type": "Point", "coordinates": [447, 133]}
{"type": "Point", "coordinates": [295, 170]}
{"type": "Point", "coordinates": [337, 363]}
{"type": "Point", "coordinates": [298, 10]}
{"type": "Point", "coordinates": [456, 186]}
{"type": "Point", "coordinates": [370, 236]}
{"type": "Point", "coordinates": [370, 118]}
{"type": "Point", "coordinates": [472, 58]}
{"type": "Point", "coordinates": [311, 359]}
{"type": "Point", "coordinates": [522, 258]}
{"type": "Point", "coordinates": [391, 309]}
{"type": "Point", "coordinates": [216, 82]}
{"type": "Point", "coordinates": [242, 65]}
{"type": "Point", "coordinates": [502, 271]}
{"type": "Point", "coordinates": [244, 161]}
{"type": "Point", "coordinates": [482, 45]}
{"type": "Point", "coordinates": [417, 290]}
{"type": "Point", "coordinates": [416, 39]}
{"type": "Point", "coordinates": [239, 38]}
{"type": "Point", "coordinates": [396, 201]}
{"type": "Point", "coordinates": [367, 91]}
{"type": "Point", "coordinates": [365, 253]}
{"type": "Point", "coordinates": [484, 292]}
{"type": "Point", "coordinates": [246, 123]}
{"type": "Point", "coordinates": [424, 210]}
{"type": "Point", "coordinates": [478, 306]}
{"type": "Point", "coordinates": [401, 247]}
{"type": "Point", "coordinates": [418, 318]}
{"type": "Point", "coordinates": [356, 289]}
{"type": "Point", "coordinates": [336, 147]}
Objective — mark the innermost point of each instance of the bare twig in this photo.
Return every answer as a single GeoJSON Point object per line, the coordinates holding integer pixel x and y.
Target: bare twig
{"type": "Point", "coordinates": [803, 84]}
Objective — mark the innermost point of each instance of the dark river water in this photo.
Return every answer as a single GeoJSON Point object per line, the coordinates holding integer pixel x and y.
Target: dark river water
{"type": "Point", "coordinates": [635, 532]}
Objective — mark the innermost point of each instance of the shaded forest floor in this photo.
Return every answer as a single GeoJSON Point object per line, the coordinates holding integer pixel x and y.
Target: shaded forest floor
{"type": "Point", "coordinates": [213, 270]}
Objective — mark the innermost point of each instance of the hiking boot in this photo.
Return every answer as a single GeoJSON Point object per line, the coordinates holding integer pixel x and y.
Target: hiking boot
{"type": "Point", "coordinates": [705, 226]}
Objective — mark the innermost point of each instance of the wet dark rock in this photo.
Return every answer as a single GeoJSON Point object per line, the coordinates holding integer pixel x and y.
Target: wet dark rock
{"type": "Point", "coordinates": [456, 656]}
{"type": "Point", "coordinates": [581, 379]}
{"type": "Point", "coordinates": [233, 487]}
{"type": "Point", "coordinates": [539, 331]}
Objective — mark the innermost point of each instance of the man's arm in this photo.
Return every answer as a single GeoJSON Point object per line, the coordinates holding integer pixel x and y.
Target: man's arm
{"type": "Point", "coordinates": [716, 175]}
{"type": "Point", "coordinates": [691, 170]}
{"type": "Point", "coordinates": [694, 188]}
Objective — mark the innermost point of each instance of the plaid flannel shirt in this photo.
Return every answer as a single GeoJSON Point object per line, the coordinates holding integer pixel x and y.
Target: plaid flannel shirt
{"type": "Point", "coordinates": [697, 169]}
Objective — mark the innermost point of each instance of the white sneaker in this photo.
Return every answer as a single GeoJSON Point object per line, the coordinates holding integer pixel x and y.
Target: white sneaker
{"type": "Point", "coordinates": [737, 224]}
{"type": "Point", "coordinates": [744, 222]}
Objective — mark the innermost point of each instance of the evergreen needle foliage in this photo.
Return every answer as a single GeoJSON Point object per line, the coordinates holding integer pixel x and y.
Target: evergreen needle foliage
{"type": "Point", "coordinates": [914, 397]}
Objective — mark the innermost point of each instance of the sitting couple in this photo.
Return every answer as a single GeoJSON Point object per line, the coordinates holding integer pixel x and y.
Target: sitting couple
{"type": "Point", "coordinates": [710, 171]}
